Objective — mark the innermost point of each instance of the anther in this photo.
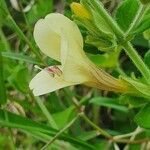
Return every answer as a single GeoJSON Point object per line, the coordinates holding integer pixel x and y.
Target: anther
{"type": "Point", "coordinates": [48, 70]}
{"type": "Point", "coordinates": [37, 67]}
{"type": "Point", "coordinates": [54, 70]}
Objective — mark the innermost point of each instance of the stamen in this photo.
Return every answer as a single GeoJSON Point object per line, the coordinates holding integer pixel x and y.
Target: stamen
{"type": "Point", "coordinates": [54, 70]}
{"type": "Point", "coordinates": [37, 67]}
{"type": "Point", "coordinates": [57, 70]}
{"type": "Point", "coordinates": [48, 70]}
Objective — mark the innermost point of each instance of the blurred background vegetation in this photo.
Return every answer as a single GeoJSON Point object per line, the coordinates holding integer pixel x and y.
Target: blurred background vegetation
{"type": "Point", "coordinates": [19, 54]}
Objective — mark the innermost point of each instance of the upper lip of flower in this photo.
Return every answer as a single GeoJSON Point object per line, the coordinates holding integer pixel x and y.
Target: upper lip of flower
{"type": "Point", "coordinates": [59, 38]}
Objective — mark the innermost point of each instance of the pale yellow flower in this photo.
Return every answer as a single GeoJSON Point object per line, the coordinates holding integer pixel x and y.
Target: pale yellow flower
{"type": "Point", "coordinates": [59, 38]}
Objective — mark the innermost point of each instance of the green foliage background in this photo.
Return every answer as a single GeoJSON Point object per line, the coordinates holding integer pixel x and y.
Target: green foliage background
{"type": "Point", "coordinates": [28, 122]}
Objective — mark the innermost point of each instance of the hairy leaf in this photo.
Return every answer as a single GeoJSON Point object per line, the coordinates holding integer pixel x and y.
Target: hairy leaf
{"type": "Point", "coordinates": [126, 13]}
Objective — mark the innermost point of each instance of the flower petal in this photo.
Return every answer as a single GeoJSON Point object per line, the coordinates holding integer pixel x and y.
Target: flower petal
{"type": "Point", "coordinates": [47, 34]}
{"type": "Point", "coordinates": [74, 61]}
{"type": "Point", "coordinates": [44, 83]}
{"type": "Point", "coordinates": [47, 40]}
{"type": "Point", "coordinates": [58, 22]}
{"type": "Point", "coordinates": [77, 67]}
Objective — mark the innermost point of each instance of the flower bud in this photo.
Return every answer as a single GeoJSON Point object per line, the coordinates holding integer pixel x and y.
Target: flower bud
{"type": "Point", "coordinates": [16, 108]}
{"type": "Point", "coordinates": [80, 11]}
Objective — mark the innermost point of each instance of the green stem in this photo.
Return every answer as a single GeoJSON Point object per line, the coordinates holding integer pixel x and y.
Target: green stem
{"type": "Point", "coordinates": [135, 133]}
{"type": "Point", "coordinates": [128, 134]}
{"type": "Point", "coordinates": [80, 109]}
{"type": "Point", "coordinates": [108, 19]}
{"type": "Point", "coordinates": [60, 132]}
{"type": "Point", "coordinates": [137, 60]}
{"type": "Point", "coordinates": [101, 131]}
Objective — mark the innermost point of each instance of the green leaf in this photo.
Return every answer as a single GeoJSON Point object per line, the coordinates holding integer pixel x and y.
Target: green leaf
{"type": "Point", "coordinates": [103, 44]}
{"type": "Point", "coordinates": [63, 117]}
{"type": "Point", "coordinates": [85, 136]}
{"type": "Point", "coordinates": [45, 138]}
{"type": "Point", "coordinates": [98, 20]}
{"type": "Point", "coordinates": [3, 12]}
{"type": "Point", "coordinates": [137, 88]}
{"type": "Point", "coordinates": [107, 60]}
{"type": "Point", "coordinates": [8, 119]}
{"type": "Point", "coordinates": [11, 120]}
{"type": "Point", "coordinates": [20, 57]}
{"type": "Point", "coordinates": [101, 24]}
{"type": "Point", "coordinates": [143, 117]}
{"type": "Point", "coordinates": [109, 102]}
{"type": "Point", "coordinates": [4, 43]}
{"type": "Point", "coordinates": [140, 41]}
{"type": "Point", "coordinates": [20, 79]}
{"type": "Point", "coordinates": [147, 34]}
{"type": "Point", "coordinates": [102, 145]}
{"type": "Point", "coordinates": [133, 102]}
{"type": "Point", "coordinates": [39, 10]}
{"type": "Point", "coordinates": [3, 97]}
{"type": "Point", "coordinates": [147, 58]}
{"type": "Point", "coordinates": [135, 146]}
{"type": "Point", "coordinates": [126, 13]}
{"type": "Point", "coordinates": [144, 25]}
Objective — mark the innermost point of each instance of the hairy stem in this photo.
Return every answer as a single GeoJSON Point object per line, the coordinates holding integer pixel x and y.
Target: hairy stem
{"type": "Point", "coordinates": [108, 19]}
{"type": "Point", "coordinates": [100, 130]}
{"type": "Point", "coordinates": [137, 60]}
{"type": "Point", "coordinates": [60, 132]}
{"type": "Point", "coordinates": [82, 114]}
